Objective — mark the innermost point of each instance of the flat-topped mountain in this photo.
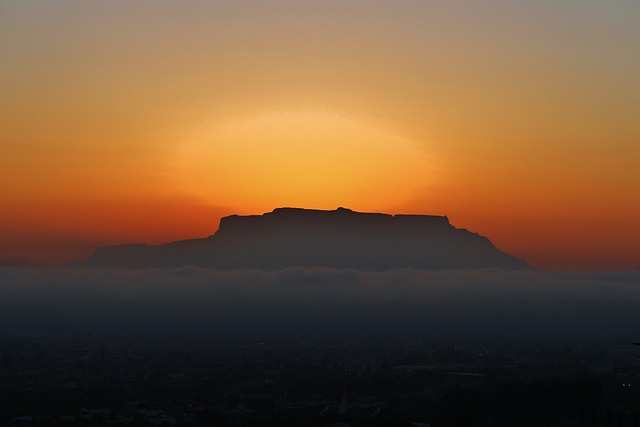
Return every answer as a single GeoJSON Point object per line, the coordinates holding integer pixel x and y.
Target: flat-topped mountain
{"type": "Point", "coordinates": [341, 238]}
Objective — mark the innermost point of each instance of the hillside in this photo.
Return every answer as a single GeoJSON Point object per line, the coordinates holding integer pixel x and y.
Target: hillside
{"type": "Point", "coordinates": [340, 238]}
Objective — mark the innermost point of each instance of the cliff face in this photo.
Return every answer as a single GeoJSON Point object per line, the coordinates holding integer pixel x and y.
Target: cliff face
{"type": "Point", "coordinates": [342, 238]}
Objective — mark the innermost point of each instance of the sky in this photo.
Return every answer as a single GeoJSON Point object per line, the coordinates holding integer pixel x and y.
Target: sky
{"type": "Point", "coordinates": [147, 121]}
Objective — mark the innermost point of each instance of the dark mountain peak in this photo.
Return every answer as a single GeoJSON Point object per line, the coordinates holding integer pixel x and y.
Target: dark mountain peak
{"type": "Point", "coordinates": [340, 238]}
{"type": "Point", "coordinates": [310, 219]}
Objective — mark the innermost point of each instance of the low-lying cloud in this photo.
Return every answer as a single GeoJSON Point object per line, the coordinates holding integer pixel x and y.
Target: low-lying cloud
{"type": "Point", "coordinates": [318, 303]}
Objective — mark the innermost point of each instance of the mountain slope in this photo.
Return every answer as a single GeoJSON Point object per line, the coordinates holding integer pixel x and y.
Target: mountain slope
{"type": "Point", "coordinates": [342, 238]}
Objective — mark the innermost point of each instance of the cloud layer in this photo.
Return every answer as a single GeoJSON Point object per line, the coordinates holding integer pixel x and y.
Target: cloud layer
{"type": "Point", "coordinates": [322, 304]}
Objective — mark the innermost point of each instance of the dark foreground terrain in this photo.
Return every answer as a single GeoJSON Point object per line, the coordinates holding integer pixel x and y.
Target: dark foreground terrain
{"type": "Point", "coordinates": [395, 382]}
{"type": "Point", "coordinates": [318, 347]}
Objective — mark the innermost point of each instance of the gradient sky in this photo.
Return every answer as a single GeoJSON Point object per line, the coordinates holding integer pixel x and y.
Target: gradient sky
{"type": "Point", "coordinates": [147, 121]}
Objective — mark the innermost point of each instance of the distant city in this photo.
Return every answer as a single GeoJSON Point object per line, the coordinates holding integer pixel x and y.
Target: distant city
{"type": "Point", "coordinates": [395, 382]}
{"type": "Point", "coordinates": [318, 347]}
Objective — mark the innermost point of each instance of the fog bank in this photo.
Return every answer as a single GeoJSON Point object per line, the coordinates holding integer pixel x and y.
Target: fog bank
{"type": "Point", "coordinates": [321, 304]}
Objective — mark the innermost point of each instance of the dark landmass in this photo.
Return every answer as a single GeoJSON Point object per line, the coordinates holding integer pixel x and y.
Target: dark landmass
{"type": "Point", "coordinates": [392, 383]}
{"type": "Point", "coordinates": [207, 347]}
{"type": "Point", "coordinates": [342, 238]}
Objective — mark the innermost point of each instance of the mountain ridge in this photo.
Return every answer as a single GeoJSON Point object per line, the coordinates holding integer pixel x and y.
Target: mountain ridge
{"type": "Point", "coordinates": [341, 238]}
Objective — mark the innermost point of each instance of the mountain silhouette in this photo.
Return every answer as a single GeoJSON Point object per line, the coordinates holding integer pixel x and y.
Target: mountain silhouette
{"type": "Point", "coordinates": [341, 238]}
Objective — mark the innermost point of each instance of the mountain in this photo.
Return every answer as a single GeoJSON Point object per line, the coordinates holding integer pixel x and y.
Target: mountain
{"type": "Point", "coordinates": [341, 238]}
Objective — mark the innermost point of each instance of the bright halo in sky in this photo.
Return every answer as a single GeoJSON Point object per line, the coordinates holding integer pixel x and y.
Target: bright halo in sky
{"type": "Point", "coordinates": [304, 158]}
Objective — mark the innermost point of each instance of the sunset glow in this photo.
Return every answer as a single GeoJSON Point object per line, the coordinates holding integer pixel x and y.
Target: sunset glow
{"type": "Point", "coordinates": [146, 122]}
{"type": "Point", "coordinates": [305, 158]}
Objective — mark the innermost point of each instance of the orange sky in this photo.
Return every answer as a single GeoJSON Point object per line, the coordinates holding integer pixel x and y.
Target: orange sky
{"type": "Point", "coordinates": [145, 122]}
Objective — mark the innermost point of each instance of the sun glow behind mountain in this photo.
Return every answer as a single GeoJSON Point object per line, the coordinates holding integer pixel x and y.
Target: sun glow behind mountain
{"type": "Point", "coordinates": [147, 121]}
{"type": "Point", "coordinates": [301, 158]}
